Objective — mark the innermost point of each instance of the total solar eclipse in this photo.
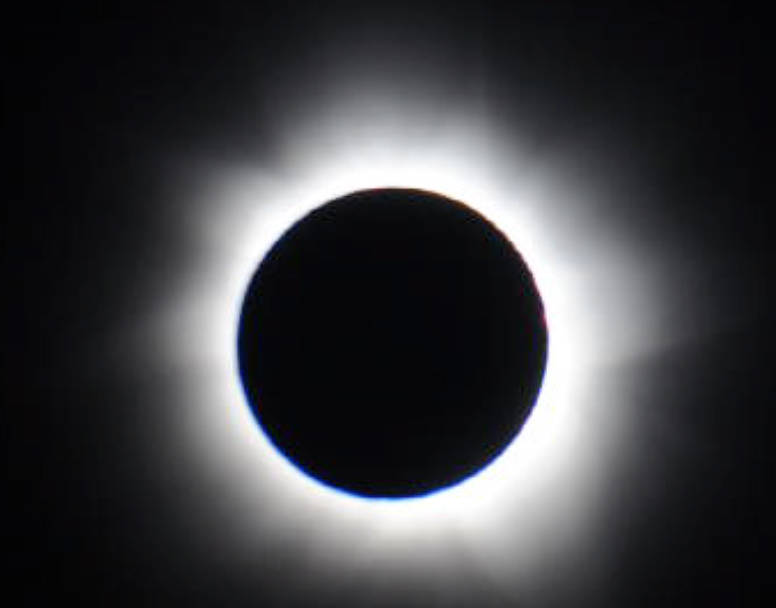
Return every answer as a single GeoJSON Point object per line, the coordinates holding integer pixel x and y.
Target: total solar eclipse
{"type": "Point", "coordinates": [392, 343]}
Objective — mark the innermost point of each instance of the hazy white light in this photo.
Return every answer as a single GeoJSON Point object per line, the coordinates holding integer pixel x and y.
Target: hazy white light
{"type": "Point", "coordinates": [533, 501]}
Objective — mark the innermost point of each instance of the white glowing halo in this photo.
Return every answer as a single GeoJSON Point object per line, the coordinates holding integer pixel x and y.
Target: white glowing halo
{"type": "Point", "coordinates": [599, 305]}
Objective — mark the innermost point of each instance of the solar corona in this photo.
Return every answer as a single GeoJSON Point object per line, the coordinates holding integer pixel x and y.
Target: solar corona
{"type": "Point", "coordinates": [389, 345]}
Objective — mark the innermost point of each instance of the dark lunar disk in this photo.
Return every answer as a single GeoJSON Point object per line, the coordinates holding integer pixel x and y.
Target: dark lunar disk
{"type": "Point", "coordinates": [392, 343]}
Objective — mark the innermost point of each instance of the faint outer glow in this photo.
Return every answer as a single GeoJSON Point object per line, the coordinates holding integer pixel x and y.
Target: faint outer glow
{"type": "Point", "coordinates": [535, 501]}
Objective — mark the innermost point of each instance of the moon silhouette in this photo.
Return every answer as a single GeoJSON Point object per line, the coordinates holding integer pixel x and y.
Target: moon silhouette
{"type": "Point", "coordinates": [392, 343]}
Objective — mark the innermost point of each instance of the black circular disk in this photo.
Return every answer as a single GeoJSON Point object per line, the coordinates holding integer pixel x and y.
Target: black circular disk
{"type": "Point", "coordinates": [392, 343]}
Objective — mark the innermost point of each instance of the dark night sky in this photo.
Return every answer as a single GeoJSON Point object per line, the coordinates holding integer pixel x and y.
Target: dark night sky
{"type": "Point", "coordinates": [678, 93]}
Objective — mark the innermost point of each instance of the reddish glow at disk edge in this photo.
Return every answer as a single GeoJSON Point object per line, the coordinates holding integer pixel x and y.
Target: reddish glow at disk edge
{"type": "Point", "coordinates": [603, 305]}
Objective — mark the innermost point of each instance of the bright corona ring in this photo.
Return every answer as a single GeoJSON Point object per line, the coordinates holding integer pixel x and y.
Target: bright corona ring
{"type": "Point", "coordinates": [548, 478]}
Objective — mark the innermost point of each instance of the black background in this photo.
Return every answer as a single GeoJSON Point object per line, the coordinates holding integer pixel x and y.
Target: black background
{"type": "Point", "coordinates": [95, 95]}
